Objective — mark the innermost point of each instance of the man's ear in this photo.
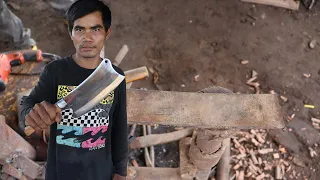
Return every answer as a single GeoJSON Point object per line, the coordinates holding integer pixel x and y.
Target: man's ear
{"type": "Point", "coordinates": [108, 33]}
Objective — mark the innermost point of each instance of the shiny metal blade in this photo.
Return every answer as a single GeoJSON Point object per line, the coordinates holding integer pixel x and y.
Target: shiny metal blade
{"type": "Point", "coordinates": [92, 90]}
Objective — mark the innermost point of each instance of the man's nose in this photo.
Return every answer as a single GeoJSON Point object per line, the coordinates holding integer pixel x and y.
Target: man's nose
{"type": "Point", "coordinates": [87, 35]}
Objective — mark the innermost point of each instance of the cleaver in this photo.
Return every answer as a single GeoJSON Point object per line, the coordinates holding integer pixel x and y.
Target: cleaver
{"type": "Point", "coordinates": [90, 92]}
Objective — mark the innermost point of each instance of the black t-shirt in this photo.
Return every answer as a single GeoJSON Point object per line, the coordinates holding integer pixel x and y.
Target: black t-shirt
{"type": "Point", "coordinates": [90, 147]}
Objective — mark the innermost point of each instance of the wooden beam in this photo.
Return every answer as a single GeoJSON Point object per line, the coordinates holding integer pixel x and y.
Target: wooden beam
{"type": "Point", "coordinates": [204, 110]}
{"type": "Point", "coordinates": [154, 173]}
{"type": "Point", "coordinates": [289, 4]}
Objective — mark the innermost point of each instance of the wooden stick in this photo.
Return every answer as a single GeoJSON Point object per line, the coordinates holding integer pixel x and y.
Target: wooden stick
{"type": "Point", "coordinates": [135, 163]}
{"type": "Point", "coordinates": [253, 157]}
{"type": "Point", "coordinates": [136, 74]}
{"type": "Point", "coordinates": [151, 147]}
{"type": "Point", "coordinates": [289, 4]}
{"type": "Point", "coordinates": [121, 54]}
{"type": "Point", "coordinates": [133, 129]}
{"type": "Point", "coordinates": [146, 152]}
{"type": "Point", "coordinates": [278, 172]}
{"type": "Point", "coordinates": [315, 120]}
{"type": "Point", "coordinates": [155, 139]}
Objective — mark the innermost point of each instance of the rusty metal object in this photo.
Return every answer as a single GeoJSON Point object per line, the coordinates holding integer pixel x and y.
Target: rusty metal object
{"type": "Point", "coordinates": [11, 142]}
{"type": "Point", "coordinates": [18, 83]}
{"type": "Point", "coordinates": [207, 141]}
{"type": "Point", "coordinates": [204, 110]}
{"type": "Point", "coordinates": [204, 161]}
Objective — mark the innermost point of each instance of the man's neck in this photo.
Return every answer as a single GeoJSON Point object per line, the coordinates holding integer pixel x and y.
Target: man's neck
{"type": "Point", "coordinates": [88, 63]}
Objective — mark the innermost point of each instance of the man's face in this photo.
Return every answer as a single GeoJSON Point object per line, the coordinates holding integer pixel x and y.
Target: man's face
{"type": "Point", "coordinates": [88, 35]}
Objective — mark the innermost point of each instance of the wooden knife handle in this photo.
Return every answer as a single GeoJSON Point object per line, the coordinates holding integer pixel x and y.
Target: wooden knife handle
{"type": "Point", "coordinates": [136, 74]}
{"type": "Point", "coordinates": [29, 130]}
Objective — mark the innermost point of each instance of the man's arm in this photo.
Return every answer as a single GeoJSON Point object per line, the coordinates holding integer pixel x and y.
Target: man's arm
{"type": "Point", "coordinates": [43, 91]}
{"type": "Point", "coordinates": [119, 134]}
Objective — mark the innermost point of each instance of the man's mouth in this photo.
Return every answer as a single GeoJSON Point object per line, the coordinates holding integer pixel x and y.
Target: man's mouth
{"type": "Point", "coordinates": [86, 48]}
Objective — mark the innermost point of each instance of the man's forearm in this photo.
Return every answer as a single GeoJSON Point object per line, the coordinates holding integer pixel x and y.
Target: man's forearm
{"type": "Point", "coordinates": [118, 177]}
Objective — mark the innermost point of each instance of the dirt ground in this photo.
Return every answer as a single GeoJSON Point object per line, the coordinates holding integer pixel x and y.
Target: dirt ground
{"type": "Point", "coordinates": [182, 39]}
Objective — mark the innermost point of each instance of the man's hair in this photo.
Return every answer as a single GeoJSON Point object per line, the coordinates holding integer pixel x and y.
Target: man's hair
{"type": "Point", "coordinates": [81, 8]}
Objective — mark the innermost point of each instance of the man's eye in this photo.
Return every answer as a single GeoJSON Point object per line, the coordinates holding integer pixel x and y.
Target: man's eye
{"type": "Point", "coordinates": [97, 29]}
{"type": "Point", "coordinates": [78, 30]}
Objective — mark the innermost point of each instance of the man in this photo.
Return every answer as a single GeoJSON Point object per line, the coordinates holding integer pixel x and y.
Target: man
{"type": "Point", "coordinates": [95, 145]}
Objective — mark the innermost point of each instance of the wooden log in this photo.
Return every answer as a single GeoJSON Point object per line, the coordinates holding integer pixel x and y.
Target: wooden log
{"type": "Point", "coordinates": [204, 110]}
{"type": "Point", "coordinates": [289, 4]}
{"type": "Point", "coordinates": [156, 139]}
{"type": "Point", "coordinates": [187, 169]}
{"type": "Point", "coordinates": [11, 142]}
{"type": "Point", "coordinates": [136, 74]}
{"type": "Point", "coordinates": [121, 54]}
{"type": "Point", "coordinates": [155, 173]}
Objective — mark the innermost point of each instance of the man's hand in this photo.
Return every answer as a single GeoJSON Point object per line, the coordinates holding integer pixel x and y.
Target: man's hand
{"type": "Point", "coordinates": [118, 177]}
{"type": "Point", "coordinates": [43, 115]}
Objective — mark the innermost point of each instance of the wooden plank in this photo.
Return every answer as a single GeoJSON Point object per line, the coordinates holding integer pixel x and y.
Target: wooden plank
{"type": "Point", "coordinates": [204, 110]}
{"type": "Point", "coordinates": [149, 173]}
{"type": "Point", "coordinates": [289, 4]}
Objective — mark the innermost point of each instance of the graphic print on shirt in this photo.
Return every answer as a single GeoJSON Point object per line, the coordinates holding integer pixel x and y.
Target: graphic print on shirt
{"type": "Point", "coordinates": [86, 131]}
